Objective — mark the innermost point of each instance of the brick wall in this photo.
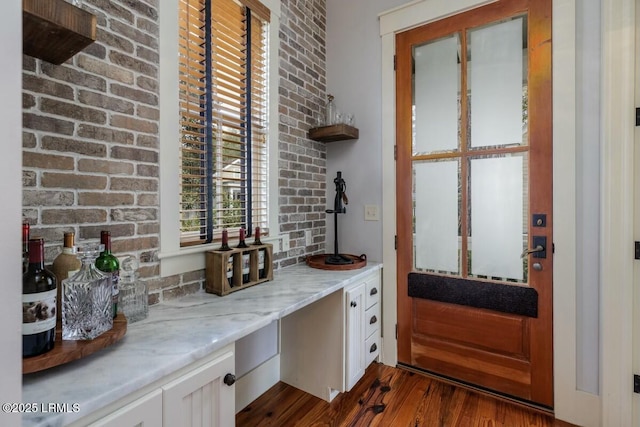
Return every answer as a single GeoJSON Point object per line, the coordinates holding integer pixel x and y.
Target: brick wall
{"type": "Point", "coordinates": [302, 164]}
{"type": "Point", "coordinates": [91, 148]}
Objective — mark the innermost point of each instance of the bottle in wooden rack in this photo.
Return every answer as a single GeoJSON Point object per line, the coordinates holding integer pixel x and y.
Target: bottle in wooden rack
{"type": "Point", "coordinates": [246, 258]}
{"type": "Point", "coordinates": [261, 255]}
{"type": "Point", "coordinates": [108, 263]}
{"type": "Point", "coordinates": [65, 265]}
{"type": "Point", "coordinates": [225, 247]}
{"type": "Point", "coordinates": [38, 303]}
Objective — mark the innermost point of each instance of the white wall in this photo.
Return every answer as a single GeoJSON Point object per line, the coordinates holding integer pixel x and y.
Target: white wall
{"type": "Point", "coordinates": [10, 216]}
{"type": "Point", "coordinates": [354, 77]}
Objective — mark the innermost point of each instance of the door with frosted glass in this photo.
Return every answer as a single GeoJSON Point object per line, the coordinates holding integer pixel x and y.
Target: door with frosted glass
{"type": "Point", "coordinates": [474, 198]}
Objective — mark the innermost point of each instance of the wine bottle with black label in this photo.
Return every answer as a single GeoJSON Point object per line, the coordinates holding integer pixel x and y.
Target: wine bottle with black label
{"type": "Point", "coordinates": [246, 258]}
{"type": "Point", "coordinates": [261, 255]}
{"type": "Point", "coordinates": [225, 247]}
{"type": "Point", "coordinates": [38, 303]}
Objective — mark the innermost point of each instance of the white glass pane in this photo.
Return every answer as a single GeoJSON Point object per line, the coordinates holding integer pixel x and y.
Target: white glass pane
{"type": "Point", "coordinates": [436, 83]}
{"type": "Point", "coordinates": [436, 216]}
{"type": "Point", "coordinates": [496, 82]}
{"type": "Point", "coordinates": [497, 223]}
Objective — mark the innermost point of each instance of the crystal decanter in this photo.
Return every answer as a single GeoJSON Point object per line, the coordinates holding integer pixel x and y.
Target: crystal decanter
{"type": "Point", "coordinates": [134, 297]}
{"type": "Point", "coordinates": [86, 298]}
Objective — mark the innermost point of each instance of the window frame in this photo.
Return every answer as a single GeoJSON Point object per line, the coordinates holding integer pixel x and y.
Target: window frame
{"type": "Point", "coordinates": [175, 259]}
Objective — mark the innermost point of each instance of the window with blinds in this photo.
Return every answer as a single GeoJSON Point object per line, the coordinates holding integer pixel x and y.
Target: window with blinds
{"type": "Point", "coordinates": [223, 118]}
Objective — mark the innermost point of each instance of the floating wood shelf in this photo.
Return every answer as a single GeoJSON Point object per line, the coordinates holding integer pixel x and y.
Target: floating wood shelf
{"type": "Point", "coordinates": [339, 132]}
{"type": "Point", "coordinates": [55, 30]}
{"type": "Point", "coordinates": [65, 351]}
{"type": "Point", "coordinates": [218, 263]}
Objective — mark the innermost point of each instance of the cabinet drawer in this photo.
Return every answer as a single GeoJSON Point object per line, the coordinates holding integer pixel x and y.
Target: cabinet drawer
{"type": "Point", "coordinates": [371, 348]}
{"type": "Point", "coordinates": [372, 320]}
{"type": "Point", "coordinates": [372, 295]}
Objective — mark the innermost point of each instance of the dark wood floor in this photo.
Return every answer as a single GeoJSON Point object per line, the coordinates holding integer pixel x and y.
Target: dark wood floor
{"type": "Point", "coordinates": [388, 396]}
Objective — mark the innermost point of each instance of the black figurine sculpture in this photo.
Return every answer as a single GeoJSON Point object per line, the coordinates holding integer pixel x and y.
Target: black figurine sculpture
{"type": "Point", "coordinates": [338, 208]}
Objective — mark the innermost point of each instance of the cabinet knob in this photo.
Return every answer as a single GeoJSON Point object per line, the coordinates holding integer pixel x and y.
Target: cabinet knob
{"type": "Point", "coordinates": [373, 348]}
{"type": "Point", "coordinates": [354, 304]}
{"type": "Point", "coordinates": [373, 320]}
{"type": "Point", "coordinates": [229, 379]}
{"type": "Point", "coordinates": [373, 291]}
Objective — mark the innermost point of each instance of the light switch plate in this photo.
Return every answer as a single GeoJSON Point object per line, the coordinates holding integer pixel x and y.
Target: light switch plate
{"type": "Point", "coordinates": [285, 243]}
{"type": "Point", "coordinates": [371, 213]}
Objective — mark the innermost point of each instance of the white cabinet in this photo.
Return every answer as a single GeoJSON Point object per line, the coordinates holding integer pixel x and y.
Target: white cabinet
{"type": "Point", "coordinates": [373, 321]}
{"type": "Point", "coordinates": [326, 346]}
{"type": "Point", "coordinates": [143, 412]}
{"type": "Point", "coordinates": [203, 397]}
{"type": "Point", "coordinates": [355, 335]}
{"type": "Point", "coordinates": [363, 327]}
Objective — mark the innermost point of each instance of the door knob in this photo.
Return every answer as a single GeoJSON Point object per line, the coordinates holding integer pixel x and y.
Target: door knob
{"type": "Point", "coordinates": [229, 379]}
{"type": "Point", "coordinates": [526, 252]}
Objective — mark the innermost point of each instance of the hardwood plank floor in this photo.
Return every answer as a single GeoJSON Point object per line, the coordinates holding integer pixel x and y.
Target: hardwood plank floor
{"type": "Point", "coordinates": [388, 396]}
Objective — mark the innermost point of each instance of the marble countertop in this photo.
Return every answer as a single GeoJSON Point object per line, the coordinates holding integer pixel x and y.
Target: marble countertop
{"type": "Point", "coordinates": [176, 334]}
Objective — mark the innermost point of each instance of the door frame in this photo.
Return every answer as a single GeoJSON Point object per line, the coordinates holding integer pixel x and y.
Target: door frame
{"type": "Point", "coordinates": [614, 404]}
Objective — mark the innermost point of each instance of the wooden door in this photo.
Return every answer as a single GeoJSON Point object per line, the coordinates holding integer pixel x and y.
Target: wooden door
{"type": "Point", "coordinates": [474, 198]}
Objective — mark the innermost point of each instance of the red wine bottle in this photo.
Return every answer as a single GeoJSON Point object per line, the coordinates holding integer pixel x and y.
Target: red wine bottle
{"type": "Point", "coordinates": [25, 246]}
{"type": "Point", "coordinates": [225, 247]}
{"type": "Point", "coordinates": [262, 252]}
{"type": "Point", "coordinates": [108, 263]}
{"type": "Point", "coordinates": [38, 303]}
{"type": "Point", "coordinates": [225, 241]}
{"type": "Point", "coordinates": [246, 258]}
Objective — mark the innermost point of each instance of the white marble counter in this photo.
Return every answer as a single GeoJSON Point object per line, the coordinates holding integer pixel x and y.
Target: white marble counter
{"type": "Point", "coordinates": [176, 334]}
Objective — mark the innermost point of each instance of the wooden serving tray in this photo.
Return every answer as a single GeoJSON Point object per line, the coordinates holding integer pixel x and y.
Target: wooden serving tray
{"type": "Point", "coordinates": [317, 261]}
{"type": "Point", "coordinates": [65, 351]}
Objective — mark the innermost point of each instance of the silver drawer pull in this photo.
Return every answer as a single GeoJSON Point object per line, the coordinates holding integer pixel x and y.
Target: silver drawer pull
{"type": "Point", "coordinates": [373, 320]}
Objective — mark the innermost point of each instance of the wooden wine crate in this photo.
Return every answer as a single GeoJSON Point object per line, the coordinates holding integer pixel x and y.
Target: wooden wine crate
{"type": "Point", "coordinates": [225, 269]}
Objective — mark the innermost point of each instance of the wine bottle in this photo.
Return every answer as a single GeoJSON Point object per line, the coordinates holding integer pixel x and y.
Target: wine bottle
{"type": "Point", "coordinates": [225, 247]}
{"type": "Point", "coordinates": [246, 257]}
{"type": "Point", "coordinates": [261, 254]}
{"type": "Point", "coordinates": [108, 263]}
{"type": "Point", "coordinates": [225, 241]}
{"type": "Point", "coordinates": [38, 303]}
{"type": "Point", "coordinates": [65, 265]}
{"type": "Point", "coordinates": [25, 246]}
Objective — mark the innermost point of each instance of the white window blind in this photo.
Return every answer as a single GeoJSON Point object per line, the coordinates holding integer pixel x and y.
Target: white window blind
{"type": "Point", "coordinates": [223, 90]}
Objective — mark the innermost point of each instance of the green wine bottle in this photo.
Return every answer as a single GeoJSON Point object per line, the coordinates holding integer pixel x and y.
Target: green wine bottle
{"type": "Point", "coordinates": [108, 263]}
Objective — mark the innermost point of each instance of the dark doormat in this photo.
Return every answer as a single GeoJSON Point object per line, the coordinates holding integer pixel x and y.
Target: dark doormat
{"type": "Point", "coordinates": [504, 298]}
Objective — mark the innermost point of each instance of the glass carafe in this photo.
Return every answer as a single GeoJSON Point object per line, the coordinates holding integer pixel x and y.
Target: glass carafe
{"type": "Point", "coordinates": [86, 298]}
{"type": "Point", "coordinates": [134, 297]}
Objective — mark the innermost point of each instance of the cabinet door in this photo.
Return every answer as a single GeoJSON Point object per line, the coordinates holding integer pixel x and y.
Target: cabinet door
{"type": "Point", "coordinates": [201, 398]}
{"type": "Point", "coordinates": [143, 412]}
{"type": "Point", "coordinates": [355, 325]}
